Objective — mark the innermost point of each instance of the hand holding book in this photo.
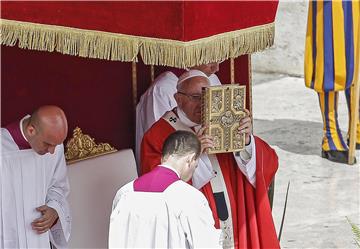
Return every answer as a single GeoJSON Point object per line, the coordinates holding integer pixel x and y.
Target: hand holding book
{"type": "Point", "coordinates": [205, 140]}
{"type": "Point", "coordinates": [245, 126]}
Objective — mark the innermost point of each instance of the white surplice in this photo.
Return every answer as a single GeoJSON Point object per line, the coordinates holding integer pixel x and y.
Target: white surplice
{"type": "Point", "coordinates": [158, 99]}
{"type": "Point", "coordinates": [30, 180]}
{"type": "Point", "coordinates": [179, 217]}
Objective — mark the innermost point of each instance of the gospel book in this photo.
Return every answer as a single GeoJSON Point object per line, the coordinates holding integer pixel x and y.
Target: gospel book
{"type": "Point", "coordinates": [222, 109]}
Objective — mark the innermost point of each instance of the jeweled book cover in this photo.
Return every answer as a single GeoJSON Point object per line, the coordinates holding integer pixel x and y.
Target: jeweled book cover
{"type": "Point", "coordinates": [222, 108]}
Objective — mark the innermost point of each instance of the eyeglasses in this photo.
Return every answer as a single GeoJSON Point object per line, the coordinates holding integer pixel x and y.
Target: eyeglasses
{"type": "Point", "coordinates": [192, 97]}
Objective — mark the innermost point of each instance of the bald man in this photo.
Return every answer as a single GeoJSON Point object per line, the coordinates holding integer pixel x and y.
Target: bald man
{"type": "Point", "coordinates": [34, 185]}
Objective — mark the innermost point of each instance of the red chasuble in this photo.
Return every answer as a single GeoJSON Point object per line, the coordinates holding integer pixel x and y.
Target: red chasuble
{"type": "Point", "coordinates": [253, 225]}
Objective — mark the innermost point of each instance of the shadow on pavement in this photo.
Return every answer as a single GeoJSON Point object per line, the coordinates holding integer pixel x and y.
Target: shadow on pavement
{"type": "Point", "coordinates": [300, 137]}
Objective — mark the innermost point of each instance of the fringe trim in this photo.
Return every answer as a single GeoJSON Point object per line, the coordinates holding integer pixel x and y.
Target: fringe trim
{"type": "Point", "coordinates": [119, 47]}
{"type": "Point", "coordinates": [71, 41]}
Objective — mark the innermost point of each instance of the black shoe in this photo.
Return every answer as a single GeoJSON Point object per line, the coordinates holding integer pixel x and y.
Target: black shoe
{"type": "Point", "coordinates": [357, 147]}
{"type": "Point", "coordinates": [336, 156]}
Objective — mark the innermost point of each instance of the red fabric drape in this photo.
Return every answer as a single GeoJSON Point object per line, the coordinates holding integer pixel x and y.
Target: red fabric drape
{"type": "Point", "coordinates": [95, 94]}
{"type": "Point", "coordinates": [178, 20]}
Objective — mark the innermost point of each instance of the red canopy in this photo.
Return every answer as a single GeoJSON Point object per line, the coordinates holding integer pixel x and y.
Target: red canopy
{"type": "Point", "coordinates": [172, 33]}
{"type": "Point", "coordinates": [99, 95]}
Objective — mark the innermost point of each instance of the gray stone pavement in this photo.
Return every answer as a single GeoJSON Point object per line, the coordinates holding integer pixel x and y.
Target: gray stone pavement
{"type": "Point", "coordinates": [322, 193]}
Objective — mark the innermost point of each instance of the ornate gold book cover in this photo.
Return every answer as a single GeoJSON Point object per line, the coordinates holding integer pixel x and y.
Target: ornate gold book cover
{"type": "Point", "coordinates": [222, 108]}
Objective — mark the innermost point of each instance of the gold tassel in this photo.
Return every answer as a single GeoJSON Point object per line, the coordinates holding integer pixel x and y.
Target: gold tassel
{"type": "Point", "coordinates": [119, 47]}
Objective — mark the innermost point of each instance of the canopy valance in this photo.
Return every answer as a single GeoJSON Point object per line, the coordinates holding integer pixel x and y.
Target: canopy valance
{"type": "Point", "coordinates": [172, 33]}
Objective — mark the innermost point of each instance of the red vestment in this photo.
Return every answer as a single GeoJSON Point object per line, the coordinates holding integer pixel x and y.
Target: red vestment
{"type": "Point", "coordinates": [253, 226]}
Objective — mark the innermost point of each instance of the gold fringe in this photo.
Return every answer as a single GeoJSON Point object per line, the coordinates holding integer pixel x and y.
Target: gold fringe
{"type": "Point", "coordinates": [214, 48]}
{"type": "Point", "coordinates": [119, 47]}
{"type": "Point", "coordinates": [71, 41]}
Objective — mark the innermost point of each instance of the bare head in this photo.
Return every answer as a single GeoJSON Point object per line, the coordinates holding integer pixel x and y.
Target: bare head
{"type": "Point", "coordinates": [181, 150]}
{"type": "Point", "coordinates": [188, 96]}
{"type": "Point", "coordinates": [45, 129]}
{"type": "Point", "coordinates": [208, 69]}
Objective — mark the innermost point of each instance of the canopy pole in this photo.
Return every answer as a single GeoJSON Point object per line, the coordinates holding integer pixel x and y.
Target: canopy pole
{"type": "Point", "coordinates": [250, 84]}
{"type": "Point", "coordinates": [134, 85]}
{"type": "Point", "coordinates": [152, 73]}
{"type": "Point", "coordinates": [232, 71]}
{"type": "Point", "coordinates": [355, 110]}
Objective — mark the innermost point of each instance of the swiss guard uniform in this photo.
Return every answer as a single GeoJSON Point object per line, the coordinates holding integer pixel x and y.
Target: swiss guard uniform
{"type": "Point", "coordinates": [331, 64]}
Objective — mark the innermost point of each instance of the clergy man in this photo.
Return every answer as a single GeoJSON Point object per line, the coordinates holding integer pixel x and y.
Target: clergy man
{"type": "Point", "coordinates": [235, 185]}
{"type": "Point", "coordinates": [161, 210]}
{"type": "Point", "coordinates": [34, 185]}
{"type": "Point", "coordinates": [159, 98]}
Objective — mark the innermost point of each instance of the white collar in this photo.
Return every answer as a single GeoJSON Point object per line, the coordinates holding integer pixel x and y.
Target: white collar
{"type": "Point", "coordinates": [171, 168]}
{"type": "Point", "coordinates": [21, 126]}
{"type": "Point", "coordinates": [185, 120]}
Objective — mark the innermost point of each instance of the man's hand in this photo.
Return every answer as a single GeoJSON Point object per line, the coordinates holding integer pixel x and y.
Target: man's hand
{"type": "Point", "coordinates": [245, 126]}
{"type": "Point", "coordinates": [46, 221]}
{"type": "Point", "coordinates": [205, 140]}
